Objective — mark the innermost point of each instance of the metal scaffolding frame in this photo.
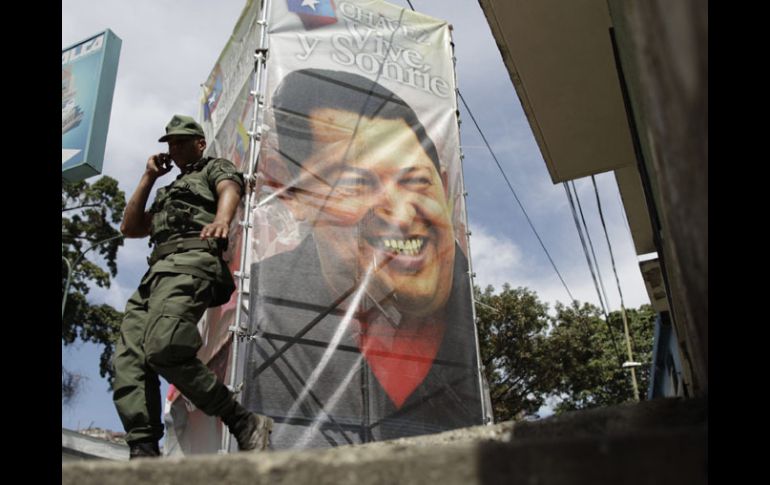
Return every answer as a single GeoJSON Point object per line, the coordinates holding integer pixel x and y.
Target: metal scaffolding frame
{"type": "Point", "coordinates": [239, 331]}
{"type": "Point", "coordinates": [486, 401]}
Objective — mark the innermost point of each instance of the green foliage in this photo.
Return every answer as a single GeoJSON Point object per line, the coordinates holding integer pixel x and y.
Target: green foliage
{"type": "Point", "coordinates": [588, 355]}
{"type": "Point", "coordinates": [512, 339]}
{"type": "Point", "coordinates": [573, 357]}
{"type": "Point", "coordinates": [88, 214]}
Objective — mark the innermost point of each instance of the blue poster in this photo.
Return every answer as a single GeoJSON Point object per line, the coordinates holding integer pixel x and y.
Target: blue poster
{"type": "Point", "coordinates": [88, 81]}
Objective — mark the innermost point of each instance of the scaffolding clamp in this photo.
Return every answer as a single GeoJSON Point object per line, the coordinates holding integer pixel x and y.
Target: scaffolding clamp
{"type": "Point", "coordinates": [236, 389]}
{"type": "Point", "coordinates": [241, 332]}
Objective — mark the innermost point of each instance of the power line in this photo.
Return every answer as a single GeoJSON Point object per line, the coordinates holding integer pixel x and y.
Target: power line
{"type": "Point", "coordinates": [592, 265]}
{"type": "Point", "coordinates": [620, 292]}
{"type": "Point", "coordinates": [606, 235]}
{"type": "Point", "coordinates": [583, 243]}
{"type": "Point", "coordinates": [505, 177]}
{"type": "Point", "coordinates": [622, 211]}
{"type": "Point", "coordinates": [591, 245]}
{"type": "Point", "coordinates": [599, 273]}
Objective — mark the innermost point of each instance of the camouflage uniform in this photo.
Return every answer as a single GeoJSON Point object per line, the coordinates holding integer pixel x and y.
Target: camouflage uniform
{"type": "Point", "coordinates": [159, 334]}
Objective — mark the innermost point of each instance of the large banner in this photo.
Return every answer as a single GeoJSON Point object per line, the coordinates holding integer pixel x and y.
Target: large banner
{"type": "Point", "coordinates": [360, 302]}
{"type": "Point", "coordinates": [360, 310]}
{"type": "Point", "coordinates": [88, 72]}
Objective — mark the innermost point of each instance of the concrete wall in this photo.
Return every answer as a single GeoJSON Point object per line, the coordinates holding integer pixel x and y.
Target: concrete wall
{"type": "Point", "coordinates": [664, 56]}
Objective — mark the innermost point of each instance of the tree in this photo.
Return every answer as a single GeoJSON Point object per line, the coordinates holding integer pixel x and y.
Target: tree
{"type": "Point", "coordinates": [512, 339]}
{"type": "Point", "coordinates": [572, 357]}
{"type": "Point", "coordinates": [587, 355]}
{"type": "Point", "coordinates": [70, 385]}
{"type": "Point", "coordinates": [89, 212]}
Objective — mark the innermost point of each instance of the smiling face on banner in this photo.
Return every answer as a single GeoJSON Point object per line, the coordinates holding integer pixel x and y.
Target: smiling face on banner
{"type": "Point", "coordinates": [376, 200]}
{"type": "Point", "coordinates": [366, 177]}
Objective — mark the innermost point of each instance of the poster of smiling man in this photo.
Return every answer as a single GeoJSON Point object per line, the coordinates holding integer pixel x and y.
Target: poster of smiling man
{"type": "Point", "coordinates": [360, 310]}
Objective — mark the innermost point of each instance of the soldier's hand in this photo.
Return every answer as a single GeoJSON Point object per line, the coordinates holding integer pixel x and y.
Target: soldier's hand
{"type": "Point", "coordinates": [215, 229]}
{"type": "Point", "coordinates": [159, 165]}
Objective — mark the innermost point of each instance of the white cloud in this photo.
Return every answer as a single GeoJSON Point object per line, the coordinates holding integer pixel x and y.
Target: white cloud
{"type": "Point", "coordinates": [116, 295]}
{"type": "Point", "coordinates": [550, 289]}
{"type": "Point", "coordinates": [496, 260]}
{"type": "Point", "coordinates": [132, 263]}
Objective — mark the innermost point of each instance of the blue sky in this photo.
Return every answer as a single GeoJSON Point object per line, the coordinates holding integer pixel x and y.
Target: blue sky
{"type": "Point", "coordinates": [168, 50]}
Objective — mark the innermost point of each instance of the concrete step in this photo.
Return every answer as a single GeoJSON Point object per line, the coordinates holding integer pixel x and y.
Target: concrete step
{"type": "Point", "coordinates": [657, 442]}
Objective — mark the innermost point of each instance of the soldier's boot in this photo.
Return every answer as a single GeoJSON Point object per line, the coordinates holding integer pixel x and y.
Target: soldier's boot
{"type": "Point", "coordinates": [251, 430]}
{"type": "Point", "coordinates": [143, 450]}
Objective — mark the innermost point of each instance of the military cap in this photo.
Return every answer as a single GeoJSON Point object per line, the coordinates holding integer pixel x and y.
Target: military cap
{"type": "Point", "coordinates": [183, 126]}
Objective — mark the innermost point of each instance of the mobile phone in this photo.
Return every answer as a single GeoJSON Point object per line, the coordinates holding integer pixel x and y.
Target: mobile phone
{"type": "Point", "coordinates": [164, 160]}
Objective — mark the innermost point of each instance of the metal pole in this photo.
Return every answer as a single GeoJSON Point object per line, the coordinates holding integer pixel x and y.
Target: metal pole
{"type": "Point", "coordinates": [254, 146]}
{"type": "Point", "coordinates": [71, 266]}
{"type": "Point", "coordinates": [630, 363]}
{"type": "Point", "coordinates": [486, 410]}
{"type": "Point", "coordinates": [630, 355]}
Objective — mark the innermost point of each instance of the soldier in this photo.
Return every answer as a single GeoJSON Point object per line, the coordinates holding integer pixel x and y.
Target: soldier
{"type": "Point", "coordinates": [188, 223]}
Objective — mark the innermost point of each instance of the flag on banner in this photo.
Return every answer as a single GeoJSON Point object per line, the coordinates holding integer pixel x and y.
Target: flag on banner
{"type": "Point", "coordinates": [213, 93]}
{"type": "Point", "coordinates": [314, 13]}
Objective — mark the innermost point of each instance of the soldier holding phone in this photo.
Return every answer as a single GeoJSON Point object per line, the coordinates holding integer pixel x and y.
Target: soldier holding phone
{"type": "Point", "coordinates": [188, 224]}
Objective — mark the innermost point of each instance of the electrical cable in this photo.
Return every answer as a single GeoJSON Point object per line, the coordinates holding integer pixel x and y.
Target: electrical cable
{"type": "Point", "coordinates": [583, 243]}
{"type": "Point", "coordinates": [591, 245]}
{"type": "Point", "coordinates": [591, 266]}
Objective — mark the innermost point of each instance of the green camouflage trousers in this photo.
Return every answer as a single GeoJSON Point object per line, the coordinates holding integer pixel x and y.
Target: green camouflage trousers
{"type": "Point", "coordinates": [159, 336]}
